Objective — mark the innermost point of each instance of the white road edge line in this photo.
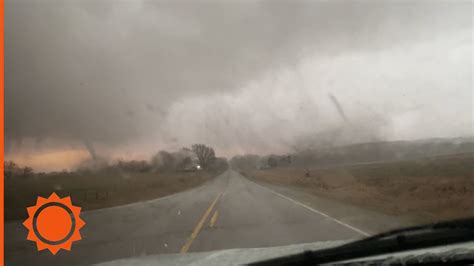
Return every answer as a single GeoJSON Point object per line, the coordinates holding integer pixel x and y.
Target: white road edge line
{"type": "Point", "coordinates": [314, 210]}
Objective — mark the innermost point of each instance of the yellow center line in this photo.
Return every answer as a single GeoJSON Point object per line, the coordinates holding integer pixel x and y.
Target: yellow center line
{"type": "Point", "coordinates": [213, 220]}
{"type": "Point", "coordinates": [199, 226]}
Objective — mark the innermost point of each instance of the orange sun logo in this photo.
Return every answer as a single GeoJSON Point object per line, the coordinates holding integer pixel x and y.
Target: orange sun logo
{"type": "Point", "coordinates": [54, 223]}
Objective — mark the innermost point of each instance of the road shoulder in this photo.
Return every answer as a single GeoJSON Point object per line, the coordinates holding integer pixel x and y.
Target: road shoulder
{"type": "Point", "coordinates": [366, 220]}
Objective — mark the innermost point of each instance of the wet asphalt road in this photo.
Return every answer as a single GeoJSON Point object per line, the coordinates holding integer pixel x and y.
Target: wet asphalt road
{"type": "Point", "coordinates": [229, 211]}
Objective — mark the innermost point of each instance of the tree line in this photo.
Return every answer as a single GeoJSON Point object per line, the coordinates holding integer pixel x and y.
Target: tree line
{"type": "Point", "coordinates": [198, 157]}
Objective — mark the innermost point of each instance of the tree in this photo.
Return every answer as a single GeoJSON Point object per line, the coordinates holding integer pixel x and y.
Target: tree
{"type": "Point", "coordinates": [11, 169]}
{"type": "Point", "coordinates": [219, 165]}
{"type": "Point", "coordinates": [132, 166]}
{"type": "Point", "coordinates": [245, 162]}
{"type": "Point", "coordinates": [184, 163]}
{"type": "Point", "coordinates": [27, 171]}
{"type": "Point", "coordinates": [173, 161]}
{"type": "Point", "coordinates": [205, 154]}
{"type": "Point", "coordinates": [164, 161]}
{"type": "Point", "coordinates": [272, 162]}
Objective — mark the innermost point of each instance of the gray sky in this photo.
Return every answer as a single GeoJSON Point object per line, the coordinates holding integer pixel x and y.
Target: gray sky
{"type": "Point", "coordinates": [133, 77]}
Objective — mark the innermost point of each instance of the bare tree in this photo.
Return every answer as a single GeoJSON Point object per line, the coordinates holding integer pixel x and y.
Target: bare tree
{"type": "Point", "coordinates": [27, 171]}
{"type": "Point", "coordinates": [272, 162]}
{"type": "Point", "coordinates": [205, 154]}
{"type": "Point", "coordinates": [11, 169]}
{"type": "Point", "coordinates": [184, 163]}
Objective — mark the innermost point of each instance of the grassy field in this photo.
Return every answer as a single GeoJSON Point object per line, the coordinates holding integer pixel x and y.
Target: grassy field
{"type": "Point", "coordinates": [429, 189]}
{"type": "Point", "coordinates": [96, 190]}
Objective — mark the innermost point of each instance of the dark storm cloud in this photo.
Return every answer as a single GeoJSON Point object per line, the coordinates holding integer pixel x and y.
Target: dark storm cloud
{"type": "Point", "coordinates": [109, 71]}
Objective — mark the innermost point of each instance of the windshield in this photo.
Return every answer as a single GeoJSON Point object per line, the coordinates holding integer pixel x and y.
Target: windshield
{"type": "Point", "coordinates": [138, 128]}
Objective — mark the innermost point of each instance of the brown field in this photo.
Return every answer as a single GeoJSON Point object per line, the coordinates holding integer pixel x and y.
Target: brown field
{"type": "Point", "coordinates": [427, 190]}
{"type": "Point", "coordinates": [96, 190]}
